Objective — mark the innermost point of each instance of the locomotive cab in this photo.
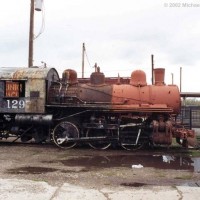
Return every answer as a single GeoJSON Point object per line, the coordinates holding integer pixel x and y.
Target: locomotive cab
{"type": "Point", "coordinates": [23, 98]}
{"type": "Point", "coordinates": [23, 90]}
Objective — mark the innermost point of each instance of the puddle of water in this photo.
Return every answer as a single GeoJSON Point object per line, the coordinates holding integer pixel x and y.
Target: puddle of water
{"type": "Point", "coordinates": [40, 170]}
{"type": "Point", "coordinates": [74, 171]}
{"type": "Point", "coordinates": [30, 170]}
{"type": "Point", "coordinates": [155, 161]}
{"type": "Point", "coordinates": [133, 184]}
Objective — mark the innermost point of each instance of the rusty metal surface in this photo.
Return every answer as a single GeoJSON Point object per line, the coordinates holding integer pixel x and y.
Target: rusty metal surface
{"type": "Point", "coordinates": [95, 94]}
{"type": "Point", "coordinates": [26, 73]}
{"type": "Point", "coordinates": [167, 94]}
{"type": "Point", "coordinates": [162, 131]}
{"type": "Point", "coordinates": [147, 96]}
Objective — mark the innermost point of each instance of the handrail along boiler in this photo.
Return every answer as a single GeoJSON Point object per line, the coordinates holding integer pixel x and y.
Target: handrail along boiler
{"type": "Point", "coordinates": [37, 104]}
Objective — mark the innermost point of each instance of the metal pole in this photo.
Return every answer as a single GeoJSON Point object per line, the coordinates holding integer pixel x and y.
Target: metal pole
{"type": "Point", "coordinates": [31, 35]}
{"type": "Point", "coordinates": [83, 57]}
{"type": "Point", "coordinates": [180, 79]}
{"type": "Point", "coordinates": [190, 118]}
{"type": "Point", "coordinates": [172, 78]}
{"type": "Point", "coordinates": [152, 69]}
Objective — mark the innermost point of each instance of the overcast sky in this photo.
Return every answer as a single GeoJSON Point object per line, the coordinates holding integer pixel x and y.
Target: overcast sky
{"type": "Point", "coordinates": [119, 35]}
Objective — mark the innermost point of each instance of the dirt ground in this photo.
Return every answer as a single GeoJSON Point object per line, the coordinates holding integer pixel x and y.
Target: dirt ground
{"type": "Point", "coordinates": [84, 166]}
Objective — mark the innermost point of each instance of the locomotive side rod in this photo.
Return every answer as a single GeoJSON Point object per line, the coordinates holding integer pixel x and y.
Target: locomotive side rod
{"type": "Point", "coordinates": [88, 139]}
{"type": "Point", "coordinates": [95, 139]}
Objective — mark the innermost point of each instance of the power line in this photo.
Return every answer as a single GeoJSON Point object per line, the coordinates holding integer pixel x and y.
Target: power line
{"type": "Point", "coordinates": [87, 58]}
{"type": "Point", "coordinates": [43, 22]}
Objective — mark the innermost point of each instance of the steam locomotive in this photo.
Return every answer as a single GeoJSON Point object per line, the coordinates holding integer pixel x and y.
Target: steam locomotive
{"type": "Point", "coordinates": [36, 104]}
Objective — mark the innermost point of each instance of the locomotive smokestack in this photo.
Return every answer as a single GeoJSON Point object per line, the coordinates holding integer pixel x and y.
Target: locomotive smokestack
{"type": "Point", "coordinates": [159, 75]}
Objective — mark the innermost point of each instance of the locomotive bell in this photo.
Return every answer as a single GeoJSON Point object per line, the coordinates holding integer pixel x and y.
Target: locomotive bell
{"type": "Point", "coordinates": [97, 78]}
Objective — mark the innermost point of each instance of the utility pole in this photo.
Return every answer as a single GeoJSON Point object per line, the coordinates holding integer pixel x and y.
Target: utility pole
{"type": "Point", "coordinates": [31, 35]}
{"type": "Point", "coordinates": [83, 59]}
{"type": "Point", "coordinates": [37, 7]}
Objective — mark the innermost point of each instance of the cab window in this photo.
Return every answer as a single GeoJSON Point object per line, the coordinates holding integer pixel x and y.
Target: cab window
{"type": "Point", "coordinates": [14, 89]}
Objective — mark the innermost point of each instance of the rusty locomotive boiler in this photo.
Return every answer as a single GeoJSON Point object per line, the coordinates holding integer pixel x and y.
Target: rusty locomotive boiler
{"type": "Point", "coordinates": [37, 104]}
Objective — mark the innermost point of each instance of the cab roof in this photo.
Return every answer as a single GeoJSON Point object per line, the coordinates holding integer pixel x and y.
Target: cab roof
{"type": "Point", "coordinates": [14, 73]}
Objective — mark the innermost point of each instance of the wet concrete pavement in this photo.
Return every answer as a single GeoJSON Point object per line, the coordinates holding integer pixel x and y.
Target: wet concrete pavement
{"type": "Point", "coordinates": [30, 190]}
{"type": "Point", "coordinates": [46, 172]}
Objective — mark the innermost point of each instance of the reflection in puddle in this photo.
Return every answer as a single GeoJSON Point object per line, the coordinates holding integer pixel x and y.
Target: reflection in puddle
{"type": "Point", "coordinates": [155, 161]}
{"type": "Point", "coordinates": [168, 159]}
{"type": "Point", "coordinates": [196, 164]}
